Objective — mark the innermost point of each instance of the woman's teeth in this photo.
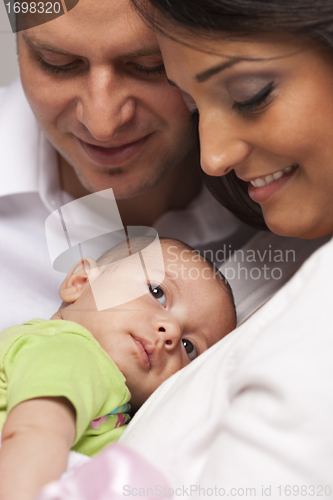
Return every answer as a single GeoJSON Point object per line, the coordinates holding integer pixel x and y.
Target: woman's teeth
{"type": "Point", "coordinates": [262, 181]}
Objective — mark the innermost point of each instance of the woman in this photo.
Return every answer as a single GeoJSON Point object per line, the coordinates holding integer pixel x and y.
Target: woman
{"type": "Point", "coordinates": [259, 406]}
{"type": "Point", "coordinates": [260, 74]}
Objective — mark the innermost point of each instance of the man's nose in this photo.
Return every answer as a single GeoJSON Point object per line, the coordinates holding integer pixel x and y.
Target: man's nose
{"type": "Point", "coordinates": [104, 105]}
{"type": "Point", "coordinates": [221, 144]}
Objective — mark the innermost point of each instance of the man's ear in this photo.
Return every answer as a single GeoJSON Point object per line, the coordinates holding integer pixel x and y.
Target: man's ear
{"type": "Point", "coordinates": [72, 287]}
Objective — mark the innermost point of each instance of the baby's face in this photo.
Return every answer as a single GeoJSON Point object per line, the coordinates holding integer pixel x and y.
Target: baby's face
{"type": "Point", "coordinates": [152, 337]}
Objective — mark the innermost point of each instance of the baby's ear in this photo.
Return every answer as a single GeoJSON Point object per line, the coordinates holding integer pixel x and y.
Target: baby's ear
{"type": "Point", "coordinates": [76, 280]}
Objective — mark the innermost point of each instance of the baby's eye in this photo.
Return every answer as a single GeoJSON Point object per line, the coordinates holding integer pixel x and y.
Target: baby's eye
{"type": "Point", "coordinates": [190, 349]}
{"type": "Point", "coordinates": [158, 293]}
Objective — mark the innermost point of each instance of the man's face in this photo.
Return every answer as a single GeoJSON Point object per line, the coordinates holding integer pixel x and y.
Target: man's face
{"type": "Point", "coordinates": [95, 81]}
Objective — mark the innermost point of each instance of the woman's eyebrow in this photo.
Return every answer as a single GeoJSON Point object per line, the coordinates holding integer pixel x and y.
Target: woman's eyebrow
{"type": "Point", "coordinates": [208, 73]}
{"type": "Point", "coordinates": [203, 76]}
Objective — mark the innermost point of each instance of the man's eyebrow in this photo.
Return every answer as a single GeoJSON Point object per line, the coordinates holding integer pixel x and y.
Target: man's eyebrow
{"type": "Point", "coordinates": [143, 53]}
{"type": "Point", "coordinates": [34, 44]}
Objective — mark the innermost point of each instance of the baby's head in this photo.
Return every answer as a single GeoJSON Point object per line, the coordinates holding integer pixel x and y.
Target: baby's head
{"type": "Point", "coordinates": [158, 333]}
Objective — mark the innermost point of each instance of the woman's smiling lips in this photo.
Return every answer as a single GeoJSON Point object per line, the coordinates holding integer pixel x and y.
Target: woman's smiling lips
{"type": "Point", "coordinates": [146, 351]}
{"type": "Point", "coordinates": [116, 155]}
{"type": "Point", "coordinates": [262, 188]}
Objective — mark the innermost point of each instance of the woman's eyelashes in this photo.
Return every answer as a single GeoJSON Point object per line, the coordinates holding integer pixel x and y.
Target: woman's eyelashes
{"type": "Point", "coordinates": [190, 348]}
{"type": "Point", "coordinates": [158, 293]}
{"type": "Point", "coordinates": [248, 106]}
{"type": "Point", "coordinates": [190, 102]}
{"type": "Point", "coordinates": [255, 103]}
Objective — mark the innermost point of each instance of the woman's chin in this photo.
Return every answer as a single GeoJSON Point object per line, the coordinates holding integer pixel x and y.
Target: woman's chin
{"type": "Point", "coordinates": [282, 229]}
{"type": "Point", "coordinates": [284, 226]}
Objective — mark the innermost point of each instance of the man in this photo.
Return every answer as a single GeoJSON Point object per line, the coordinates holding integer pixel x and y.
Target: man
{"type": "Point", "coordinates": [96, 112]}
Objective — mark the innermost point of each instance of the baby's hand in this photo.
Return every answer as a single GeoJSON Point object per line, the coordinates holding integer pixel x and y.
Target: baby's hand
{"type": "Point", "coordinates": [36, 439]}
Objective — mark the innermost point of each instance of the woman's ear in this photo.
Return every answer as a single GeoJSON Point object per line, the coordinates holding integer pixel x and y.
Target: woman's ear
{"type": "Point", "coordinates": [76, 280]}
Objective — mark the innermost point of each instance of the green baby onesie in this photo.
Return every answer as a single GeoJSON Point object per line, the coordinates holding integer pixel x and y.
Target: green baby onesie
{"type": "Point", "coordinates": [59, 358]}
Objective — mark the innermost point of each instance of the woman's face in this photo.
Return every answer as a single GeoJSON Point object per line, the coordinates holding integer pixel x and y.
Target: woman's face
{"type": "Point", "coordinates": [266, 111]}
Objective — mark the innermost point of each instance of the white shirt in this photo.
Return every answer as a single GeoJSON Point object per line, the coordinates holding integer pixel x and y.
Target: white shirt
{"type": "Point", "coordinates": [30, 191]}
{"type": "Point", "coordinates": [256, 409]}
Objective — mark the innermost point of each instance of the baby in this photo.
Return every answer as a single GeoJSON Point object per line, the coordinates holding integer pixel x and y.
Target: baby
{"type": "Point", "coordinates": [66, 383]}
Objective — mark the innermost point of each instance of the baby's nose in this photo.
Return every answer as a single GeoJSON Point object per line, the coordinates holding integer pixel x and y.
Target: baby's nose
{"type": "Point", "coordinates": [171, 332]}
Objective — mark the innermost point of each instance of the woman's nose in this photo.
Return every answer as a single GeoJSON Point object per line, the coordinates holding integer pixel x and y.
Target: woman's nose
{"type": "Point", "coordinates": [104, 105]}
{"type": "Point", "coordinates": [222, 148]}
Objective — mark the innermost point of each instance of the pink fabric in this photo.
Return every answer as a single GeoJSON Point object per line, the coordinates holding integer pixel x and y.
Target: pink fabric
{"type": "Point", "coordinates": [96, 423]}
{"type": "Point", "coordinates": [116, 473]}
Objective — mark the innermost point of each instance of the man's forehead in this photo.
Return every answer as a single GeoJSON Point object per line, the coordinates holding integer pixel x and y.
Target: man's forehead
{"type": "Point", "coordinates": [98, 25]}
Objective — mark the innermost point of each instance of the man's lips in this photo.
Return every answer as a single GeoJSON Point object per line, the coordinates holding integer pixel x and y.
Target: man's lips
{"type": "Point", "coordinates": [116, 155]}
{"type": "Point", "coordinates": [146, 351]}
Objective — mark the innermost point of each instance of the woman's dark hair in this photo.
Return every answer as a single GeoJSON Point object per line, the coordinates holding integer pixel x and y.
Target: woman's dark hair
{"type": "Point", "coordinates": [216, 18]}
{"type": "Point", "coordinates": [312, 18]}
{"type": "Point", "coordinates": [232, 193]}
